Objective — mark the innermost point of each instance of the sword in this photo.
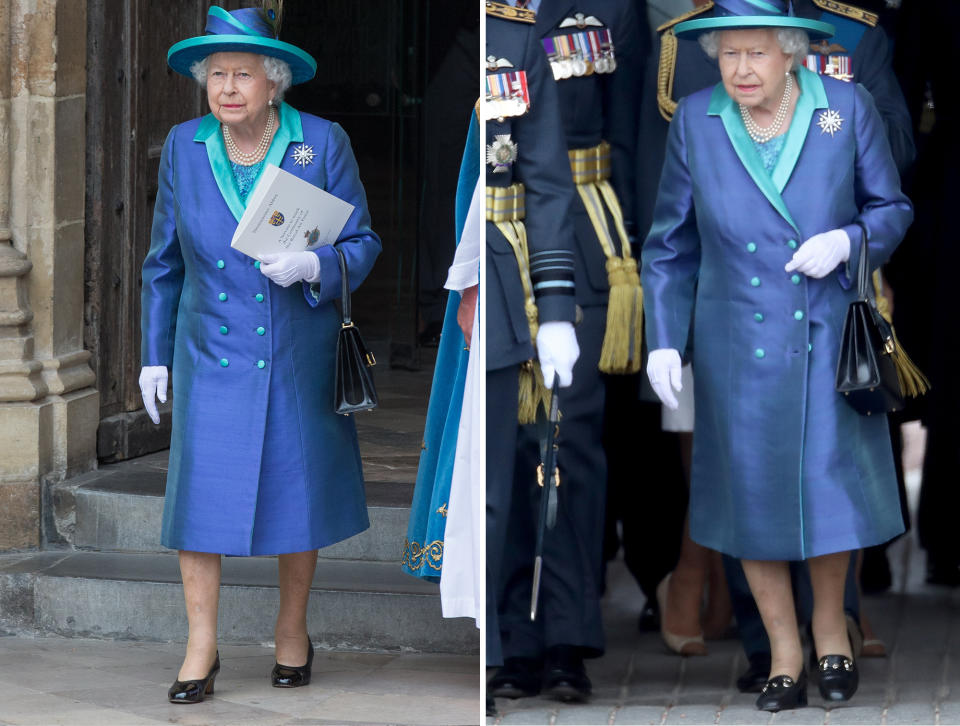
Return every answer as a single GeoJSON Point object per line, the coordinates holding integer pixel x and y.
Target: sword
{"type": "Point", "coordinates": [548, 477]}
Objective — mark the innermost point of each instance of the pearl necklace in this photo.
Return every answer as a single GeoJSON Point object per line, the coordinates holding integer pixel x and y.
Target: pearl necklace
{"type": "Point", "coordinates": [260, 152]}
{"type": "Point", "coordinates": [761, 135]}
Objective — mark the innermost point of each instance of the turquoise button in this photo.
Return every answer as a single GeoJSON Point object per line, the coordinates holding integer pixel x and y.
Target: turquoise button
{"type": "Point", "coordinates": [792, 244]}
{"type": "Point", "coordinates": [261, 330]}
{"type": "Point", "coordinates": [809, 347]}
{"type": "Point", "coordinates": [223, 330]}
{"type": "Point", "coordinates": [221, 264]}
{"type": "Point", "coordinates": [224, 362]}
{"type": "Point", "coordinates": [257, 264]}
{"type": "Point", "coordinates": [222, 296]}
{"type": "Point", "coordinates": [759, 352]}
{"type": "Point", "coordinates": [755, 282]}
{"type": "Point", "coordinates": [758, 317]}
{"type": "Point", "coordinates": [798, 315]}
{"type": "Point", "coordinates": [260, 364]}
{"type": "Point", "coordinates": [259, 297]}
{"type": "Point", "coordinates": [751, 247]}
{"type": "Point", "coordinates": [795, 279]}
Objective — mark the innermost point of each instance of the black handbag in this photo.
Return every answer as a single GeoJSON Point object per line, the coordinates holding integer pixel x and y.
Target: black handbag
{"type": "Point", "coordinates": [874, 374]}
{"type": "Point", "coordinates": [353, 386]}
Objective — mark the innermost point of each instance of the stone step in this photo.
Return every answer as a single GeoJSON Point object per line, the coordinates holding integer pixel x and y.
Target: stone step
{"type": "Point", "coordinates": [354, 604]}
{"type": "Point", "coordinates": [119, 508]}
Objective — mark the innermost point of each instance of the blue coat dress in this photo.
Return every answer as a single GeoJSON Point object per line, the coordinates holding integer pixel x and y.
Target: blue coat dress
{"type": "Point", "coordinates": [783, 468]}
{"type": "Point", "coordinates": [259, 462]}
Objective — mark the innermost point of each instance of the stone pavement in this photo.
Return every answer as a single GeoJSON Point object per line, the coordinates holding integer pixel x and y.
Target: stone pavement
{"type": "Point", "coordinates": [640, 682]}
{"type": "Point", "coordinates": [77, 682]}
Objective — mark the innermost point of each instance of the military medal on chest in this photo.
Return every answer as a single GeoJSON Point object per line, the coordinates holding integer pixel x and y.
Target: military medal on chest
{"type": "Point", "coordinates": [501, 153]}
{"type": "Point", "coordinates": [830, 59]}
{"type": "Point", "coordinates": [506, 93]}
{"type": "Point", "coordinates": [583, 52]}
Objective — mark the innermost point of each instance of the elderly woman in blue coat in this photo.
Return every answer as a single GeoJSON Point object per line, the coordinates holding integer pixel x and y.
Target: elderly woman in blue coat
{"type": "Point", "coordinates": [259, 462]}
{"type": "Point", "coordinates": [766, 181]}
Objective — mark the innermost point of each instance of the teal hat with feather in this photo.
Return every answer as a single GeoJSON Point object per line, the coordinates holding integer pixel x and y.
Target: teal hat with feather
{"type": "Point", "coordinates": [250, 30]}
{"type": "Point", "coordinates": [750, 14]}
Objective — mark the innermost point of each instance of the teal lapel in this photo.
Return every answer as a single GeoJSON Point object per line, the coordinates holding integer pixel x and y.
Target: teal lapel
{"type": "Point", "coordinates": [289, 131]}
{"type": "Point", "coordinates": [812, 97]}
{"type": "Point", "coordinates": [723, 106]}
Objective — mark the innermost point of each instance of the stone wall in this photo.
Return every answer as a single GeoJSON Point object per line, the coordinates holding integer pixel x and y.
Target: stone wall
{"type": "Point", "coordinates": [48, 406]}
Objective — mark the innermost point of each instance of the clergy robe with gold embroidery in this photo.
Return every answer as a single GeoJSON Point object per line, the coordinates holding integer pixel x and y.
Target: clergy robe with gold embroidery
{"type": "Point", "coordinates": [259, 461]}
{"type": "Point", "coordinates": [783, 468]}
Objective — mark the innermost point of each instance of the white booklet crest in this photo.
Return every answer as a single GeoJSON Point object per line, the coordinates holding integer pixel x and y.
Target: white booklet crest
{"type": "Point", "coordinates": [287, 214]}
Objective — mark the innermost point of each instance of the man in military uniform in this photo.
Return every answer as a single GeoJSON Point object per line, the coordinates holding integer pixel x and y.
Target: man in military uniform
{"type": "Point", "coordinates": [530, 304]}
{"type": "Point", "coordinates": [592, 47]}
{"type": "Point", "coordinates": [858, 53]}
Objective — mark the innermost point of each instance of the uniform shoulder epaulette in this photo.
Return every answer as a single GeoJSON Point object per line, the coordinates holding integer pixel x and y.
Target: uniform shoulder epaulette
{"type": "Point", "coordinates": [849, 11]}
{"type": "Point", "coordinates": [668, 61]}
{"type": "Point", "coordinates": [686, 16]}
{"type": "Point", "coordinates": [505, 12]}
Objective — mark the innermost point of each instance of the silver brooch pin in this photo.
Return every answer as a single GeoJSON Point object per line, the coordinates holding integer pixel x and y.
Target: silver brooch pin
{"type": "Point", "coordinates": [303, 155]}
{"type": "Point", "coordinates": [830, 122]}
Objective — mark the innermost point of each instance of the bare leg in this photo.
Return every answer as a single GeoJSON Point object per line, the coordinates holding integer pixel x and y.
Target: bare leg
{"type": "Point", "coordinates": [828, 575]}
{"type": "Point", "coordinates": [296, 575]}
{"type": "Point", "coordinates": [685, 593]}
{"type": "Point", "coordinates": [771, 588]}
{"type": "Point", "coordinates": [201, 592]}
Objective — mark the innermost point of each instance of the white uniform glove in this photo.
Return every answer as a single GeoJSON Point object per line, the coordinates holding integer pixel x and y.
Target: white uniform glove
{"type": "Point", "coordinates": [820, 255]}
{"type": "Point", "coordinates": [557, 350]}
{"type": "Point", "coordinates": [153, 385]}
{"type": "Point", "coordinates": [663, 370]}
{"type": "Point", "coordinates": [286, 268]}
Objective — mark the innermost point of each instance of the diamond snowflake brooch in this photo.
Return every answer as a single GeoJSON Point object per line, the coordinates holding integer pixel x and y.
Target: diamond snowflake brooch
{"type": "Point", "coordinates": [830, 122]}
{"type": "Point", "coordinates": [303, 155]}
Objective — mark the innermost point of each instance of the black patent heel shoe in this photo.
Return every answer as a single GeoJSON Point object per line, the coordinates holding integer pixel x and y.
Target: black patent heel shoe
{"type": "Point", "coordinates": [194, 691]}
{"type": "Point", "coordinates": [783, 692]}
{"type": "Point", "coordinates": [839, 677]}
{"type": "Point", "coordinates": [292, 676]}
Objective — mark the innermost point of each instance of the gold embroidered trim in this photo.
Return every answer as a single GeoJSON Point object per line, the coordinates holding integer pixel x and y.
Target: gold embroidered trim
{"type": "Point", "coordinates": [849, 11]}
{"type": "Point", "coordinates": [665, 73]}
{"type": "Point", "coordinates": [415, 556]}
{"type": "Point", "coordinates": [686, 16]}
{"type": "Point", "coordinates": [506, 204]}
{"type": "Point", "coordinates": [505, 12]}
{"type": "Point", "coordinates": [443, 509]}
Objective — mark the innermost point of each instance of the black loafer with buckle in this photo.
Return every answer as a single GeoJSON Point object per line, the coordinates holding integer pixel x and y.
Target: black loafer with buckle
{"type": "Point", "coordinates": [839, 677]}
{"type": "Point", "coordinates": [781, 693]}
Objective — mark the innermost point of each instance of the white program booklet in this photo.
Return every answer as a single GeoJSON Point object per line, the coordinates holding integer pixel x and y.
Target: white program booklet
{"type": "Point", "coordinates": [287, 214]}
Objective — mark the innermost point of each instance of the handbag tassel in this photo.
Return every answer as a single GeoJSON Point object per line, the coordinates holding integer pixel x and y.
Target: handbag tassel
{"type": "Point", "coordinates": [621, 341]}
{"type": "Point", "coordinates": [912, 381]}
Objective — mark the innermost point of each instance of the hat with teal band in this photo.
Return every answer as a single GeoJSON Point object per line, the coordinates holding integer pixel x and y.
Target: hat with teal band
{"type": "Point", "coordinates": [751, 14]}
{"type": "Point", "coordinates": [241, 31]}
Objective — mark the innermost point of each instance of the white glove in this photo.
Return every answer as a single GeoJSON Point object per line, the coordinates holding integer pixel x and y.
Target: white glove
{"type": "Point", "coordinates": [153, 385]}
{"type": "Point", "coordinates": [820, 255]}
{"type": "Point", "coordinates": [286, 268]}
{"type": "Point", "coordinates": [557, 350]}
{"type": "Point", "coordinates": [663, 370]}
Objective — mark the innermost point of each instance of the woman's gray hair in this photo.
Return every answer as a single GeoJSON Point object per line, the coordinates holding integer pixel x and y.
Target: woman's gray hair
{"type": "Point", "coordinates": [277, 70]}
{"type": "Point", "coordinates": [792, 41]}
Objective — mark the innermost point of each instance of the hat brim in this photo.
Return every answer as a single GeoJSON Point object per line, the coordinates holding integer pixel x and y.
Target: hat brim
{"type": "Point", "coordinates": [692, 29]}
{"type": "Point", "coordinates": [185, 53]}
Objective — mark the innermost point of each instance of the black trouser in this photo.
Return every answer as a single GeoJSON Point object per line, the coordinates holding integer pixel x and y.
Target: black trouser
{"type": "Point", "coordinates": [569, 611]}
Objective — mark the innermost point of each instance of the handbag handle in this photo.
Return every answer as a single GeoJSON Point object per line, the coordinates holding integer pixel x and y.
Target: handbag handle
{"type": "Point", "coordinates": [863, 268]}
{"type": "Point", "coordinates": [345, 291]}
